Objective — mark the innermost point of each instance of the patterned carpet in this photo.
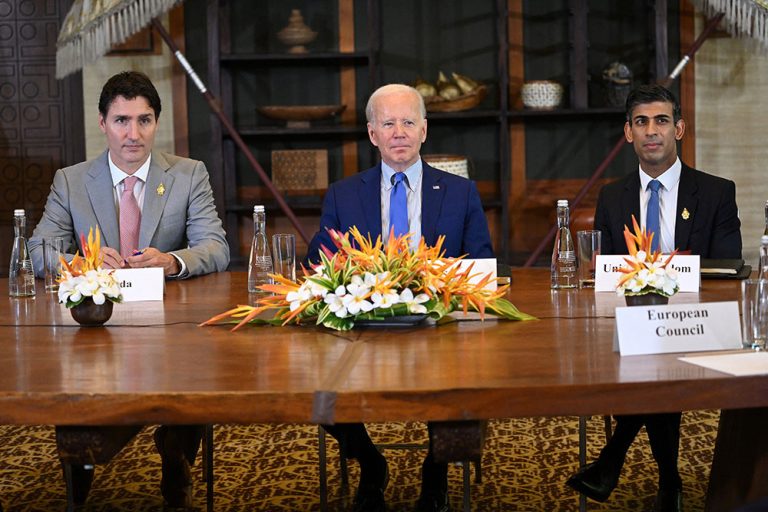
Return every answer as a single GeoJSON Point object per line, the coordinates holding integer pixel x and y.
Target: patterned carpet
{"type": "Point", "coordinates": [274, 468]}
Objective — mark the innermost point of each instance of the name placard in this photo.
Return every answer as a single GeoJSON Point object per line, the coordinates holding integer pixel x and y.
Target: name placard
{"type": "Point", "coordinates": [482, 267]}
{"type": "Point", "coordinates": [607, 272]}
{"type": "Point", "coordinates": [138, 284]}
{"type": "Point", "coordinates": [678, 328]}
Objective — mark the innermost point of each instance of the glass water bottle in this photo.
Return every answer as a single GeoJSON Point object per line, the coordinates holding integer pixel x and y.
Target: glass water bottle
{"type": "Point", "coordinates": [563, 253]}
{"type": "Point", "coordinates": [260, 261]}
{"type": "Point", "coordinates": [21, 276]}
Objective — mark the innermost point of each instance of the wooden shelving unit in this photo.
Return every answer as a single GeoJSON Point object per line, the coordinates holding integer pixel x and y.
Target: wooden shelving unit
{"type": "Point", "coordinates": [504, 183]}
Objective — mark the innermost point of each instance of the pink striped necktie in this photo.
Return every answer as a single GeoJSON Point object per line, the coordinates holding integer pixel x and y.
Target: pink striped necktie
{"type": "Point", "coordinates": [130, 218]}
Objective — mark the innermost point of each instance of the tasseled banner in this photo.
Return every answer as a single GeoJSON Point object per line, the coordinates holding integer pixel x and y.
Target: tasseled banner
{"type": "Point", "coordinates": [92, 27]}
{"type": "Point", "coordinates": [743, 18]}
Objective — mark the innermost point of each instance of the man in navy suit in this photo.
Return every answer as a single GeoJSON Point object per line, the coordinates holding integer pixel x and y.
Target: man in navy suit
{"type": "Point", "coordinates": [698, 214]}
{"type": "Point", "coordinates": [438, 203]}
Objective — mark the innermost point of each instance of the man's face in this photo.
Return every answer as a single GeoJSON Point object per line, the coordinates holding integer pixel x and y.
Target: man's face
{"type": "Point", "coordinates": [130, 127]}
{"type": "Point", "coordinates": [654, 135]}
{"type": "Point", "coordinates": [398, 129]}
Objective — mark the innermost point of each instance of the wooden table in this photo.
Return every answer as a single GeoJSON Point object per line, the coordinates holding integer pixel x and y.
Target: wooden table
{"type": "Point", "coordinates": [153, 364]}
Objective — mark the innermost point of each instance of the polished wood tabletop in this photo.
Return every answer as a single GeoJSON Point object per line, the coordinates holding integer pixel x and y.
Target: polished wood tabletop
{"type": "Point", "coordinates": [152, 363]}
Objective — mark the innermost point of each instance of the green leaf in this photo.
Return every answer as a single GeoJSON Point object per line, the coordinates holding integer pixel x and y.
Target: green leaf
{"type": "Point", "coordinates": [340, 324]}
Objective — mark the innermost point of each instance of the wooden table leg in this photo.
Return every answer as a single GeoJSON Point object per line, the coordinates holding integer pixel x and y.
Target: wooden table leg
{"type": "Point", "coordinates": [740, 465]}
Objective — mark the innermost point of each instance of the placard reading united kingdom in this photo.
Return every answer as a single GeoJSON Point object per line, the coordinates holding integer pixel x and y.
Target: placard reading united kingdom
{"type": "Point", "coordinates": [607, 272]}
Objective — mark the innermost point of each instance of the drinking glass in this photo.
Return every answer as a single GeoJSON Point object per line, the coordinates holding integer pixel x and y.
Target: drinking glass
{"type": "Point", "coordinates": [284, 255]}
{"type": "Point", "coordinates": [53, 248]}
{"type": "Point", "coordinates": [588, 247]}
{"type": "Point", "coordinates": [754, 313]}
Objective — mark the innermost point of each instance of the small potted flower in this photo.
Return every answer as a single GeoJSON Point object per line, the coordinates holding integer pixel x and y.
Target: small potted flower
{"type": "Point", "coordinates": [648, 278]}
{"type": "Point", "coordinates": [88, 290]}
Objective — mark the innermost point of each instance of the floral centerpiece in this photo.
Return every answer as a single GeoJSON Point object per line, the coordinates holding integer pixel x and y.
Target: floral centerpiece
{"type": "Point", "coordinates": [366, 280]}
{"type": "Point", "coordinates": [647, 271]}
{"type": "Point", "coordinates": [83, 278]}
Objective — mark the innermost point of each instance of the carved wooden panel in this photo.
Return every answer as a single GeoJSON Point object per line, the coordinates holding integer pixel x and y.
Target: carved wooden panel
{"type": "Point", "coordinates": [41, 126]}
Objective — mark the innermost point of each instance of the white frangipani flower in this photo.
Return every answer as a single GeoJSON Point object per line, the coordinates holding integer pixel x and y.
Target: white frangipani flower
{"type": "Point", "coordinates": [414, 303]}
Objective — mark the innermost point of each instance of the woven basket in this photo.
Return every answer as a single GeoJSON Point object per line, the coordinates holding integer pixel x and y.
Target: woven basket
{"type": "Point", "coordinates": [454, 164]}
{"type": "Point", "coordinates": [542, 94]}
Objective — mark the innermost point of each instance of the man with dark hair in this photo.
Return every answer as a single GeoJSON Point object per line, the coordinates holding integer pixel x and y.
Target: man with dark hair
{"type": "Point", "coordinates": [694, 212]}
{"type": "Point", "coordinates": [154, 210]}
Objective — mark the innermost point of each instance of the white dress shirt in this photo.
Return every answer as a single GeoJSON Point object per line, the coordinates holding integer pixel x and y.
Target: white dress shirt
{"type": "Point", "coordinates": [670, 183]}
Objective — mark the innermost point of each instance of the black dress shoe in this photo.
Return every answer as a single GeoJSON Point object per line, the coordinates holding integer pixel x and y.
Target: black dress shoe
{"type": "Point", "coordinates": [82, 478]}
{"type": "Point", "coordinates": [669, 500]}
{"type": "Point", "coordinates": [176, 482]}
{"type": "Point", "coordinates": [370, 495]}
{"type": "Point", "coordinates": [433, 500]}
{"type": "Point", "coordinates": [595, 481]}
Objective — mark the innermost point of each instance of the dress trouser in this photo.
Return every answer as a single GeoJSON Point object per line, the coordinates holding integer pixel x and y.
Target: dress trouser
{"type": "Point", "coordinates": [664, 436]}
{"type": "Point", "coordinates": [355, 443]}
{"type": "Point", "coordinates": [98, 444]}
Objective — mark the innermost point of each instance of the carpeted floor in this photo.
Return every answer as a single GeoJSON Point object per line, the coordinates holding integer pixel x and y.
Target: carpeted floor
{"type": "Point", "coordinates": [274, 468]}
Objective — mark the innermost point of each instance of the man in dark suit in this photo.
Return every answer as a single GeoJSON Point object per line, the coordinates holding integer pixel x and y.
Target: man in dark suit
{"type": "Point", "coordinates": [438, 203]}
{"type": "Point", "coordinates": [175, 226]}
{"type": "Point", "coordinates": [697, 214]}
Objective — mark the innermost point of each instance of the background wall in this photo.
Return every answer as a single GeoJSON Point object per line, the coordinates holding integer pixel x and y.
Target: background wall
{"type": "Point", "coordinates": [731, 109]}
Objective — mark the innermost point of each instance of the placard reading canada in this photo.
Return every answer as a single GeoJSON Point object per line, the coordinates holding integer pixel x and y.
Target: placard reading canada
{"type": "Point", "coordinates": [141, 283]}
{"type": "Point", "coordinates": [678, 328]}
{"type": "Point", "coordinates": [607, 272]}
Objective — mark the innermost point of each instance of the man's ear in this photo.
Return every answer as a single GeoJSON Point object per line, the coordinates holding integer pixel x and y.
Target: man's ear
{"type": "Point", "coordinates": [628, 132]}
{"type": "Point", "coordinates": [102, 123]}
{"type": "Point", "coordinates": [679, 129]}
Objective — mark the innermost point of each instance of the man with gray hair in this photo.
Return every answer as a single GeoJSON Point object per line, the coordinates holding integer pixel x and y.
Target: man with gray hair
{"type": "Point", "coordinates": [401, 194]}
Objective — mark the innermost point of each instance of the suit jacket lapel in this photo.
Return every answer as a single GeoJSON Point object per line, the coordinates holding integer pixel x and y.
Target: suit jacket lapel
{"type": "Point", "coordinates": [369, 195]}
{"type": "Point", "coordinates": [154, 200]}
{"type": "Point", "coordinates": [432, 193]}
{"type": "Point", "coordinates": [631, 200]}
{"type": "Point", "coordinates": [102, 197]}
{"type": "Point", "coordinates": [686, 200]}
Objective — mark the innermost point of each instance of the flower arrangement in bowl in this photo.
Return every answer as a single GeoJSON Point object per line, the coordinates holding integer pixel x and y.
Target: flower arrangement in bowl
{"type": "Point", "coordinates": [367, 281]}
{"type": "Point", "coordinates": [87, 289]}
{"type": "Point", "coordinates": [648, 273]}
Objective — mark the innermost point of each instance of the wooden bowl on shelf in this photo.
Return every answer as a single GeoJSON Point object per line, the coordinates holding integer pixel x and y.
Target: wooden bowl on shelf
{"type": "Point", "coordinates": [464, 102]}
{"type": "Point", "coordinates": [299, 116]}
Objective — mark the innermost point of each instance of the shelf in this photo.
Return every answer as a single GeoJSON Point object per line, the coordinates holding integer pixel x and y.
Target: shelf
{"type": "Point", "coordinates": [463, 115]}
{"type": "Point", "coordinates": [292, 58]}
{"type": "Point", "coordinates": [567, 112]}
{"type": "Point", "coordinates": [277, 131]}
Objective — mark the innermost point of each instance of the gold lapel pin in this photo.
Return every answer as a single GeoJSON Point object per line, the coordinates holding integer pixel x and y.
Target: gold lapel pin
{"type": "Point", "coordinates": [161, 190]}
{"type": "Point", "coordinates": [686, 214]}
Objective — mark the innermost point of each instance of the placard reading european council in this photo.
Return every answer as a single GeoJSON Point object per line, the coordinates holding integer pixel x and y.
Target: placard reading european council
{"type": "Point", "coordinates": [607, 272]}
{"type": "Point", "coordinates": [678, 328]}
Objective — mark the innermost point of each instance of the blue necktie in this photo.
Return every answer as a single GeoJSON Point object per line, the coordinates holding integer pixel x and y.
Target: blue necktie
{"type": "Point", "coordinates": [398, 204]}
{"type": "Point", "coordinates": [652, 217]}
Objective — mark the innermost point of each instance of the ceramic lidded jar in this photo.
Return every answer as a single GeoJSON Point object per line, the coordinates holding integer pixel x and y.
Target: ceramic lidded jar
{"type": "Point", "coordinates": [296, 34]}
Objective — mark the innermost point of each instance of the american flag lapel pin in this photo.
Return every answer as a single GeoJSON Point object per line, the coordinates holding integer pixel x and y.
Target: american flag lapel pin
{"type": "Point", "coordinates": [435, 187]}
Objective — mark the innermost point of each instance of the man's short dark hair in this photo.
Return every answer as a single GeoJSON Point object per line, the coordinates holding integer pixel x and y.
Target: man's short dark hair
{"type": "Point", "coordinates": [650, 94]}
{"type": "Point", "coordinates": [129, 85]}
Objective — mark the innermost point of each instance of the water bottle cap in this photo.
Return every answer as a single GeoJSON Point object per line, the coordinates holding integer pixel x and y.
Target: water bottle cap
{"type": "Point", "coordinates": [562, 202]}
{"type": "Point", "coordinates": [258, 208]}
{"type": "Point", "coordinates": [19, 213]}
